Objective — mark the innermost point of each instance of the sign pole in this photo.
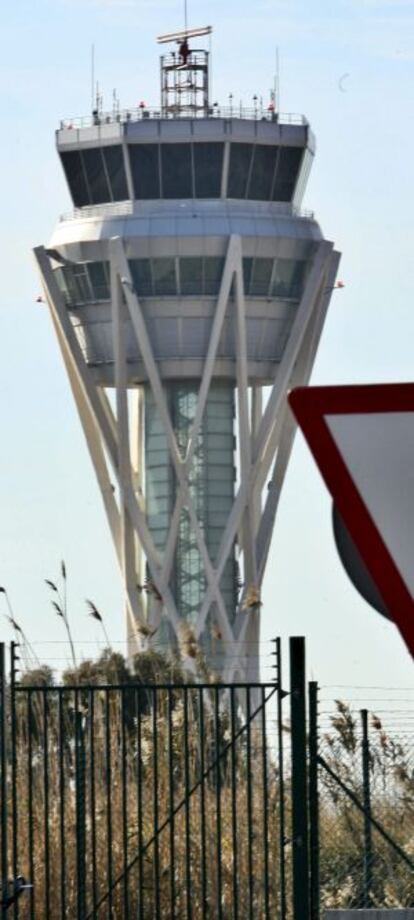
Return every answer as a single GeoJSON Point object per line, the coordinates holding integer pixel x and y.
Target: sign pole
{"type": "Point", "coordinates": [300, 844]}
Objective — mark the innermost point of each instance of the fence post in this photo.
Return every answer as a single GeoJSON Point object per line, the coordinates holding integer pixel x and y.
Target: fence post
{"type": "Point", "coordinates": [3, 778]}
{"type": "Point", "coordinates": [299, 780]}
{"type": "Point", "coordinates": [13, 740]}
{"type": "Point", "coordinates": [80, 813]}
{"type": "Point", "coordinates": [313, 803]}
{"type": "Point", "coordinates": [367, 808]}
{"type": "Point", "coordinates": [282, 833]}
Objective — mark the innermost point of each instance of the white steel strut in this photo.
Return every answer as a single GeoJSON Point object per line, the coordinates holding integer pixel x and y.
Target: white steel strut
{"type": "Point", "coordinates": [264, 439]}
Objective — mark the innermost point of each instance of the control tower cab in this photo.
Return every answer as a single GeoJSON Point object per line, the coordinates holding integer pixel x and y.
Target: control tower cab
{"type": "Point", "coordinates": [188, 292]}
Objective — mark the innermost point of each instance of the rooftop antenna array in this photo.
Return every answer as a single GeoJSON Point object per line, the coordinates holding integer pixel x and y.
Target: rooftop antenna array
{"type": "Point", "coordinates": [185, 74]}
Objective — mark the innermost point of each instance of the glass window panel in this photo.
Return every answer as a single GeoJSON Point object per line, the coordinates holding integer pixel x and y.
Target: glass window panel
{"type": "Point", "coordinates": [81, 282]}
{"type": "Point", "coordinates": [247, 274]}
{"type": "Point", "coordinates": [95, 174]}
{"type": "Point", "coordinates": [289, 278]}
{"type": "Point", "coordinates": [240, 159]}
{"type": "Point", "coordinates": [61, 282]}
{"type": "Point", "coordinates": [72, 165]}
{"type": "Point", "coordinates": [69, 279]}
{"type": "Point", "coordinates": [191, 276]}
{"type": "Point", "coordinates": [145, 170]}
{"type": "Point", "coordinates": [176, 171]}
{"type": "Point", "coordinates": [262, 272]}
{"type": "Point", "coordinates": [163, 273]}
{"type": "Point", "coordinates": [141, 276]}
{"type": "Point", "coordinates": [208, 166]}
{"type": "Point", "coordinates": [213, 273]}
{"type": "Point", "coordinates": [98, 280]}
{"type": "Point", "coordinates": [114, 161]}
{"type": "Point", "coordinates": [287, 173]}
{"type": "Point", "coordinates": [261, 180]}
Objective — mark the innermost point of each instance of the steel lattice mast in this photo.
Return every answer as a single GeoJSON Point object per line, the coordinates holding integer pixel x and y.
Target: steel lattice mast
{"type": "Point", "coordinates": [188, 284]}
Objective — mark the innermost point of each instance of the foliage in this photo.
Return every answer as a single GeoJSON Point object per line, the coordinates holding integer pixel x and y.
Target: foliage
{"type": "Point", "coordinates": [391, 781]}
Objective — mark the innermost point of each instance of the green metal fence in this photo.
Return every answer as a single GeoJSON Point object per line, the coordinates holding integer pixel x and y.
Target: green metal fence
{"type": "Point", "coordinates": [200, 801]}
{"type": "Point", "coordinates": [143, 800]}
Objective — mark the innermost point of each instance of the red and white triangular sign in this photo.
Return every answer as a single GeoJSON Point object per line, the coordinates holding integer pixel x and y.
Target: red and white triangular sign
{"type": "Point", "coordinates": [362, 438]}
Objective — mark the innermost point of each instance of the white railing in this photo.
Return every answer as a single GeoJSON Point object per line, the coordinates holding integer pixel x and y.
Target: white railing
{"type": "Point", "coordinates": [111, 209]}
{"type": "Point", "coordinates": [125, 208]}
{"type": "Point", "coordinates": [142, 113]}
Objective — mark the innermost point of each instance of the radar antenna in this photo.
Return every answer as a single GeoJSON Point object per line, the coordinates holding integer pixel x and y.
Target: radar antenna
{"type": "Point", "coordinates": [185, 74]}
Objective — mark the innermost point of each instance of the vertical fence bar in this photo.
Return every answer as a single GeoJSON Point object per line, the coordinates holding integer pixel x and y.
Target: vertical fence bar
{"type": "Point", "coordinates": [139, 809]}
{"type": "Point", "coordinates": [313, 803]}
{"type": "Point", "coordinates": [219, 876]}
{"type": "Point", "coordinates": [80, 810]}
{"type": "Point", "coordinates": [282, 822]}
{"type": "Point", "coordinates": [13, 738]}
{"type": "Point", "coordinates": [124, 774]}
{"type": "Point", "coordinates": [250, 875]}
{"type": "Point", "coordinates": [62, 837]}
{"type": "Point", "coordinates": [92, 812]}
{"type": "Point", "coordinates": [265, 807]}
{"type": "Point", "coordinates": [155, 804]}
{"type": "Point", "coordinates": [3, 778]}
{"type": "Point", "coordinates": [187, 808]}
{"type": "Point", "coordinates": [108, 790]}
{"type": "Point", "coordinates": [45, 748]}
{"type": "Point", "coordinates": [235, 881]}
{"type": "Point", "coordinates": [299, 780]}
{"type": "Point", "coordinates": [367, 887]}
{"type": "Point", "coordinates": [32, 891]}
{"type": "Point", "coordinates": [171, 801]}
{"type": "Point", "coordinates": [202, 809]}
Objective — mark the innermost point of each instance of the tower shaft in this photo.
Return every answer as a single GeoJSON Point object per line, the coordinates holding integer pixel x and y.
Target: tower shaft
{"type": "Point", "coordinates": [188, 293]}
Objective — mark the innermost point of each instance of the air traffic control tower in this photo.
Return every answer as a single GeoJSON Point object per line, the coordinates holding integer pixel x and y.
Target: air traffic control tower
{"type": "Point", "coordinates": [188, 293]}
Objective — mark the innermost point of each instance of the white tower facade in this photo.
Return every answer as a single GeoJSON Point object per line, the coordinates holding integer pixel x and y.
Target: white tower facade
{"type": "Point", "coordinates": [188, 293]}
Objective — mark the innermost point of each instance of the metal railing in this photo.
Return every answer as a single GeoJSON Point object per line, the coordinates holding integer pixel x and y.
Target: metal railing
{"type": "Point", "coordinates": [142, 113]}
{"type": "Point", "coordinates": [126, 208]}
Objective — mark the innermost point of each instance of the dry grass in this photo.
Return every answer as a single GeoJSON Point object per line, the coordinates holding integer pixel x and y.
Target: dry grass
{"type": "Point", "coordinates": [143, 761]}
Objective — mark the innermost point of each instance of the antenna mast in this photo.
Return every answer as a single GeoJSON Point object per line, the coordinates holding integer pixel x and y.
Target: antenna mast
{"type": "Point", "coordinates": [92, 77]}
{"type": "Point", "coordinates": [185, 74]}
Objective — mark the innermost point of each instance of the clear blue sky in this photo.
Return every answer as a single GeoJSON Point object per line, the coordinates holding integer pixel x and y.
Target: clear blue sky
{"type": "Point", "coordinates": [362, 191]}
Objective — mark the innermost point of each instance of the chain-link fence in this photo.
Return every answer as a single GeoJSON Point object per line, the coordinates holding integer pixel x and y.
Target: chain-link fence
{"type": "Point", "coordinates": [366, 811]}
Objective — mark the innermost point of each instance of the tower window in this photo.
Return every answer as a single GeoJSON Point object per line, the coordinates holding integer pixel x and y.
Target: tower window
{"type": "Point", "coordinates": [287, 173]}
{"type": "Point", "coordinates": [164, 278]}
{"type": "Point", "coordinates": [176, 171]}
{"type": "Point", "coordinates": [114, 162]}
{"type": "Point", "coordinates": [263, 168]}
{"type": "Point", "coordinates": [141, 275]}
{"type": "Point", "coordinates": [213, 272]}
{"type": "Point", "coordinates": [145, 170]}
{"type": "Point", "coordinates": [191, 276]}
{"type": "Point", "coordinates": [239, 171]}
{"type": "Point", "coordinates": [208, 166]}
{"type": "Point", "coordinates": [74, 172]}
{"type": "Point", "coordinates": [96, 176]}
{"type": "Point", "coordinates": [288, 279]}
{"type": "Point", "coordinates": [261, 275]}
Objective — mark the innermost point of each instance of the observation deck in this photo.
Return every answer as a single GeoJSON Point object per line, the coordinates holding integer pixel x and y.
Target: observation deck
{"type": "Point", "coordinates": [141, 112]}
{"type": "Point", "coordinates": [113, 159]}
